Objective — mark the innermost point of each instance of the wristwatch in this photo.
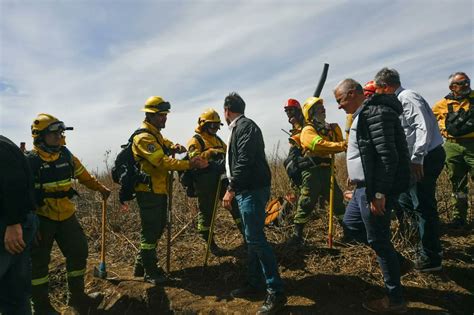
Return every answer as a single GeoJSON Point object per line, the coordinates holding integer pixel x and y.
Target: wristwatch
{"type": "Point", "coordinates": [379, 195]}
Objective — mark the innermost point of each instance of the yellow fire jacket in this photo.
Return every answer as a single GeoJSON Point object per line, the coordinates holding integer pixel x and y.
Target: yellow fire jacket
{"type": "Point", "coordinates": [60, 209]}
{"type": "Point", "coordinates": [321, 143]}
{"type": "Point", "coordinates": [440, 109]}
{"type": "Point", "coordinates": [152, 153]}
{"type": "Point", "coordinates": [213, 146]}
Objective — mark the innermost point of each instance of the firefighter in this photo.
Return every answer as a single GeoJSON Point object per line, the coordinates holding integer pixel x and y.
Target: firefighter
{"type": "Point", "coordinates": [154, 154]}
{"type": "Point", "coordinates": [207, 144]}
{"type": "Point", "coordinates": [319, 140]}
{"type": "Point", "coordinates": [54, 168]}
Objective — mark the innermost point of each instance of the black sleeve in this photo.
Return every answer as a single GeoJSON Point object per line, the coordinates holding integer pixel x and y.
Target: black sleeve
{"type": "Point", "coordinates": [381, 125]}
{"type": "Point", "coordinates": [14, 185]}
{"type": "Point", "coordinates": [246, 151]}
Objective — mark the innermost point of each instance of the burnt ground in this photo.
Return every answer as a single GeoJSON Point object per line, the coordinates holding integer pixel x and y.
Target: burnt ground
{"type": "Point", "coordinates": [318, 280]}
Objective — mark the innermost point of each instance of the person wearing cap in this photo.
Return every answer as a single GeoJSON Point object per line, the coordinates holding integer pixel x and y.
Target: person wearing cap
{"type": "Point", "coordinates": [154, 154]}
{"type": "Point", "coordinates": [319, 140]}
{"type": "Point", "coordinates": [207, 144]}
{"type": "Point", "coordinates": [54, 168]}
{"type": "Point", "coordinates": [378, 164]}
{"type": "Point", "coordinates": [295, 118]}
{"type": "Point", "coordinates": [459, 144]}
{"type": "Point", "coordinates": [425, 146]}
{"type": "Point", "coordinates": [18, 225]}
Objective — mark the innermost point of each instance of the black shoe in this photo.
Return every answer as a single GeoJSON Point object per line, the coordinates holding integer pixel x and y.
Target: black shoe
{"type": "Point", "coordinates": [156, 277]}
{"type": "Point", "coordinates": [273, 303]}
{"type": "Point", "coordinates": [246, 292]}
{"type": "Point", "coordinates": [425, 265]}
{"type": "Point", "coordinates": [295, 241]}
{"type": "Point", "coordinates": [216, 250]}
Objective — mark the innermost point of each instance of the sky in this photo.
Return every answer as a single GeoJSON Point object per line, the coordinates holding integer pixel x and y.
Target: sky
{"type": "Point", "coordinates": [93, 64]}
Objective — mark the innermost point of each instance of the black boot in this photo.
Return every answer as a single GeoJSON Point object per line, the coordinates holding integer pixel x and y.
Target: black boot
{"type": "Point", "coordinates": [215, 250]}
{"type": "Point", "coordinates": [273, 303]}
{"type": "Point", "coordinates": [138, 270]}
{"type": "Point", "coordinates": [297, 237]}
{"type": "Point", "coordinates": [152, 274]}
{"type": "Point", "coordinates": [40, 300]}
{"type": "Point", "coordinates": [78, 299]}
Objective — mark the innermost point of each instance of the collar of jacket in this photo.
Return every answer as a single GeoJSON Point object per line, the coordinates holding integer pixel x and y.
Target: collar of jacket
{"type": "Point", "coordinates": [389, 100]}
{"type": "Point", "coordinates": [451, 96]}
{"type": "Point", "coordinates": [155, 131]}
{"type": "Point", "coordinates": [46, 156]}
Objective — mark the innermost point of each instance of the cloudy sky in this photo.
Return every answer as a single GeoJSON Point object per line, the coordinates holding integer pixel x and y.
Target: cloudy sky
{"type": "Point", "coordinates": [94, 63]}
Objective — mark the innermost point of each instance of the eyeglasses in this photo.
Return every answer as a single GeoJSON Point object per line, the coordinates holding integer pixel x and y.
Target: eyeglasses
{"type": "Point", "coordinates": [343, 97]}
{"type": "Point", "coordinates": [461, 83]}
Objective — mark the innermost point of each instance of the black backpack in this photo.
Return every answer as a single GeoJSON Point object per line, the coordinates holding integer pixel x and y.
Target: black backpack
{"type": "Point", "coordinates": [126, 170]}
{"type": "Point", "coordinates": [461, 122]}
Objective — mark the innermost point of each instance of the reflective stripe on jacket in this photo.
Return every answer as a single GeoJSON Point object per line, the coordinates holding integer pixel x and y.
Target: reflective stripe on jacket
{"type": "Point", "coordinates": [54, 174]}
{"type": "Point", "coordinates": [317, 143]}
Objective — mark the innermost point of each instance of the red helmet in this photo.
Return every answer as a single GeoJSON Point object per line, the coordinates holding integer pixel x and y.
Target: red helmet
{"type": "Point", "coordinates": [369, 88]}
{"type": "Point", "coordinates": [292, 103]}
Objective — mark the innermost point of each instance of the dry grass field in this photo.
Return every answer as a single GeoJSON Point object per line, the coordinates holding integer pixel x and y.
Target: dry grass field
{"type": "Point", "coordinates": [318, 280]}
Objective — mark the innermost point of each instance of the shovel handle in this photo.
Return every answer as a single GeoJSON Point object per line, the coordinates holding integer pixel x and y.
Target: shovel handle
{"type": "Point", "coordinates": [104, 220]}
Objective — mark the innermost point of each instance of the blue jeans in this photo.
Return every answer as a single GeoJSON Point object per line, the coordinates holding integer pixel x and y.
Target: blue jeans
{"type": "Point", "coordinates": [15, 272]}
{"type": "Point", "coordinates": [362, 226]}
{"type": "Point", "coordinates": [262, 265]}
{"type": "Point", "coordinates": [420, 200]}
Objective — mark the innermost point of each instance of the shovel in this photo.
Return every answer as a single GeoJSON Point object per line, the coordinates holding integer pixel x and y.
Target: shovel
{"type": "Point", "coordinates": [101, 272]}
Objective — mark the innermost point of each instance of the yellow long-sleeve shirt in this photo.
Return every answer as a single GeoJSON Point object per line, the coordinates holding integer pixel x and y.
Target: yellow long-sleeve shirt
{"type": "Point", "coordinates": [322, 144]}
{"type": "Point", "coordinates": [149, 149]}
{"type": "Point", "coordinates": [212, 146]}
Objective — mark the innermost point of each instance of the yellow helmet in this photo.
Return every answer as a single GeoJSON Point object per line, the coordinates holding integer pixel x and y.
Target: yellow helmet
{"type": "Point", "coordinates": [46, 122]}
{"type": "Point", "coordinates": [308, 104]}
{"type": "Point", "coordinates": [208, 116]}
{"type": "Point", "coordinates": [156, 104]}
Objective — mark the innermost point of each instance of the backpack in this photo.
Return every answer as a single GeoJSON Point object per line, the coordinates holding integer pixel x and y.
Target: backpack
{"type": "Point", "coordinates": [461, 122]}
{"type": "Point", "coordinates": [295, 163]}
{"type": "Point", "coordinates": [126, 171]}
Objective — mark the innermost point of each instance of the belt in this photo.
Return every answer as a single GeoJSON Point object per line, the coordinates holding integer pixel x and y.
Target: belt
{"type": "Point", "coordinates": [460, 140]}
{"type": "Point", "coordinates": [360, 184]}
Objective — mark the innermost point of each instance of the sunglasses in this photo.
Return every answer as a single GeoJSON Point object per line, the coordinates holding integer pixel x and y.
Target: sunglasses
{"type": "Point", "coordinates": [463, 82]}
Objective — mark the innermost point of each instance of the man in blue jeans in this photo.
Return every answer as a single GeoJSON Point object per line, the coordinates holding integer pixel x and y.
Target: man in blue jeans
{"type": "Point", "coordinates": [249, 182]}
{"type": "Point", "coordinates": [378, 164]}
{"type": "Point", "coordinates": [17, 228]}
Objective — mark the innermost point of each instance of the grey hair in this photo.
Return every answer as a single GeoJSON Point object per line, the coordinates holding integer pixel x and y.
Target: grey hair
{"type": "Point", "coordinates": [451, 76]}
{"type": "Point", "coordinates": [349, 84]}
{"type": "Point", "coordinates": [387, 77]}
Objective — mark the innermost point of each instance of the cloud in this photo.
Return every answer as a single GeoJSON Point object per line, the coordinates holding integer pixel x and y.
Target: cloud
{"type": "Point", "coordinates": [93, 64]}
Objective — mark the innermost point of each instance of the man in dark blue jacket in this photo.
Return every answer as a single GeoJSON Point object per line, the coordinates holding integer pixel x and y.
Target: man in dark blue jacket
{"type": "Point", "coordinates": [17, 228]}
{"type": "Point", "coordinates": [378, 164]}
{"type": "Point", "coordinates": [249, 182]}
